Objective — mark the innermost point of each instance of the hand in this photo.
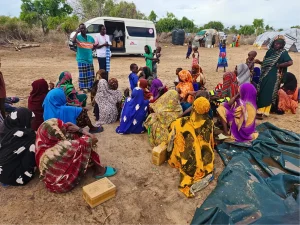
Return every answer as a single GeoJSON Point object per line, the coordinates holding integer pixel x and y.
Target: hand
{"type": "Point", "coordinates": [72, 128]}
{"type": "Point", "coordinates": [94, 141]}
{"type": "Point", "coordinates": [278, 65]}
{"type": "Point", "coordinates": [257, 61]}
{"type": "Point", "coordinates": [78, 30]}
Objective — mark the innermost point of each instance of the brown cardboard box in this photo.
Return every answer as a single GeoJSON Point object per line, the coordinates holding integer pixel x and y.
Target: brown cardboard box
{"type": "Point", "coordinates": [120, 44]}
{"type": "Point", "coordinates": [159, 154]}
{"type": "Point", "coordinates": [98, 192]}
{"type": "Point", "coordinates": [114, 44]}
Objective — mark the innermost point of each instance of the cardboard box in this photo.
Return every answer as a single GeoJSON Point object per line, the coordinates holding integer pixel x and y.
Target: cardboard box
{"type": "Point", "coordinates": [114, 44]}
{"type": "Point", "coordinates": [99, 191]}
{"type": "Point", "coordinates": [159, 154]}
{"type": "Point", "coordinates": [120, 44]}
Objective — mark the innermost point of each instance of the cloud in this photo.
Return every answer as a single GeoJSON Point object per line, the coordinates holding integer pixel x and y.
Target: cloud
{"type": "Point", "coordinates": [276, 13]}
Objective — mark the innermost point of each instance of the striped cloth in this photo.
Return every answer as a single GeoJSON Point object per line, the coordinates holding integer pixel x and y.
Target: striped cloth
{"type": "Point", "coordinates": [108, 59]}
{"type": "Point", "coordinates": [86, 75]}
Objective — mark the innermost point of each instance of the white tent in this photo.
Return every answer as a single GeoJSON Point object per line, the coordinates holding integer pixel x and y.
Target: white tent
{"type": "Point", "coordinates": [206, 37]}
{"type": "Point", "coordinates": [292, 39]}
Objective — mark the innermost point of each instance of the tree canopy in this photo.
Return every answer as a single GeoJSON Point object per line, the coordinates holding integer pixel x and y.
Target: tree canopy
{"type": "Point", "coordinates": [152, 17]}
{"type": "Point", "coordinates": [214, 25]}
{"type": "Point", "coordinates": [46, 13]}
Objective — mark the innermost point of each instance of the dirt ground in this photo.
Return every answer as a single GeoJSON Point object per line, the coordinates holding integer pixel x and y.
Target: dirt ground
{"type": "Point", "coordinates": [146, 194]}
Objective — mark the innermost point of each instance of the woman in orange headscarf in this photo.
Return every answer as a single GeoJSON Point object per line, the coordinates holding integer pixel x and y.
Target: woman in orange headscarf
{"type": "Point", "coordinates": [185, 85]}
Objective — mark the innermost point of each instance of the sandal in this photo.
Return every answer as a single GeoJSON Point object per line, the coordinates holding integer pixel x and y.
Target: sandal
{"type": "Point", "coordinates": [110, 171]}
{"type": "Point", "coordinates": [99, 130]}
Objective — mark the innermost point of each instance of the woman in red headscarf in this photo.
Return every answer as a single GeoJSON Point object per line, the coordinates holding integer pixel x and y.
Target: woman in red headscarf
{"type": "Point", "coordinates": [35, 101]}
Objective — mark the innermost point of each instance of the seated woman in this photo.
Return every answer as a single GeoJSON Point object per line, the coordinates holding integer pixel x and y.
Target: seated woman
{"type": "Point", "coordinates": [166, 109]}
{"type": "Point", "coordinates": [63, 154]}
{"type": "Point", "coordinates": [240, 114]}
{"type": "Point", "coordinates": [55, 106]}
{"type": "Point", "coordinates": [190, 147]}
{"type": "Point", "coordinates": [143, 84]}
{"type": "Point", "coordinates": [9, 101]}
{"type": "Point", "coordinates": [17, 152]}
{"type": "Point", "coordinates": [229, 88]}
{"type": "Point", "coordinates": [198, 77]}
{"type": "Point", "coordinates": [35, 101]}
{"type": "Point", "coordinates": [288, 94]}
{"type": "Point", "coordinates": [185, 85]}
{"type": "Point", "coordinates": [157, 88]}
{"type": "Point", "coordinates": [73, 97]}
{"type": "Point", "coordinates": [107, 100]}
{"type": "Point", "coordinates": [134, 113]}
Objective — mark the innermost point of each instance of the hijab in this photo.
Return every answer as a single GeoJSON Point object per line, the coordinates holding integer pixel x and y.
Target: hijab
{"type": "Point", "coordinates": [143, 84]}
{"type": "Point", "coordinates": [289, 82]}
{"type": "Point", "coordinates": [35, 101]}
{"type": "Point", "coordinates": [156, 84]}
{"type": "Point", "coordinates": [243, 74]}
{"type": "Point", "coordinates": [55, 106]}
{"type": "Point", "coordinates": [113, 84]}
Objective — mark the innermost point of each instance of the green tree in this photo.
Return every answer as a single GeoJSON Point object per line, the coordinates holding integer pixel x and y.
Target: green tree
{"type": "Point", "coordinates": [280, 29]}
{"type": "Point", "coordinates": [152, 17]}
{"type": "Point", "coordinates": [297, 26]}
{"type": "Point", "coordinates": [70, 24]}
{"type": "Point", "coordinates": [233, 30]}
{"type": "Point", "coordinates": [214, 25]}
{"type": "Point", "coordinates": [126, 10]}
{"type": "Point", "coordinates": [247, 30]}
{"type": "Point", "coordinates": [44, 12]}
{"type": "Point", "coordinates": [258, 24]}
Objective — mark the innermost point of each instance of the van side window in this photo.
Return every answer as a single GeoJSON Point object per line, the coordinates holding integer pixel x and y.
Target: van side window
{"type": "Point", "coordinates": [140, 32]}
{"type": "Point", "coordinates": [93, 28]}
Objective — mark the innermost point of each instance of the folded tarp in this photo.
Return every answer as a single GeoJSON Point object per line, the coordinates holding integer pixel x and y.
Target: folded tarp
{"type": "Point", "coordinates": [260, 184]}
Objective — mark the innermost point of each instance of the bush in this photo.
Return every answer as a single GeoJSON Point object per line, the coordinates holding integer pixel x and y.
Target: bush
{"type": "Point", "coordinates": [14, 28]}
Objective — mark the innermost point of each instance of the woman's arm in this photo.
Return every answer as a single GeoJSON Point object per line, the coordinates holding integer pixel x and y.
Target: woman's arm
{"type": "Point", "coordinates": [186, 112]}
{"type": "Point", "coordinates": [284, 65]}
{"type": "Point", "coordinates": [232, 101]}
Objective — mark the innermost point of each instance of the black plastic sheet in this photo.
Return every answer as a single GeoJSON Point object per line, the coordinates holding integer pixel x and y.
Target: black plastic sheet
{"type": "Point", "coordinates": [260, 184]}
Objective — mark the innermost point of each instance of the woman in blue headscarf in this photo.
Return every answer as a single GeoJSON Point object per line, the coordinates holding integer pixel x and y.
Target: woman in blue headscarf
{"type": "Point", "coordinates": [55, 106]}
{"type": "Point", "coordinates": [134, 113]}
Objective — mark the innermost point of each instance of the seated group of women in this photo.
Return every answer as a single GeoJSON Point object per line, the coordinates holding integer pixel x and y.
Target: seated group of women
{"type": "Point", "coordinates": [60, 148]}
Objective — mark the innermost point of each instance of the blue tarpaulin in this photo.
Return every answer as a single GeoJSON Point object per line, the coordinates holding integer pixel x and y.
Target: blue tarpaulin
{"type": "Point", "coordinates": [260, 183]}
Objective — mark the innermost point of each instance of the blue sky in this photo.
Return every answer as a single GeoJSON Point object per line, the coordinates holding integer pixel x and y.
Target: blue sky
{"type": "Point", "coordinates": [276, 13]}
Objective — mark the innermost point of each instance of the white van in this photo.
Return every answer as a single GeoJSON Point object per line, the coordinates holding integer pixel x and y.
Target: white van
{"type": "Point", "coordinates": [136, 34]}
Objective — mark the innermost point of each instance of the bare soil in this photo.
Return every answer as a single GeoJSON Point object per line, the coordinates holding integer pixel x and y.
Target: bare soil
{"type": "Point", "coordinates": [146, 194]}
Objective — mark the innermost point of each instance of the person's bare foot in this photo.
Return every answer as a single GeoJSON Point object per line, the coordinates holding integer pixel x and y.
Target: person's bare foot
{"type": "Point", "coordinates": [99, 170]}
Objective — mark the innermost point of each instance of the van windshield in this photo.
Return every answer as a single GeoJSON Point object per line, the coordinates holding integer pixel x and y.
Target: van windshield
{"type": "Point", "coordinates": [140, 32]}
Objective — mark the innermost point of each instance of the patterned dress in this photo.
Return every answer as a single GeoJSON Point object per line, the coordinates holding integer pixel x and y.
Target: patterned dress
{"type": "Point", "coordinates": [190, 147]}
{"type": "Point", "coordinates": [62, 157]}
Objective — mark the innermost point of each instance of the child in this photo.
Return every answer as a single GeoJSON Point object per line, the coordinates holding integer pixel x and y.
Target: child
{"type": "Point", "coordinates": [195, 56]}
{"type": "Point", "coordinates": [156, 61]}
{"type": "Point", "coordinates": [133, 77]}
{"type": "Point", "coordinates": [222, 62]}
{"type": "Point", "coordinates": [250, 61]}
{"type": "Point", "coordinates": [176, 81]}
{"type": "Point", "coordinates": [189, 51]}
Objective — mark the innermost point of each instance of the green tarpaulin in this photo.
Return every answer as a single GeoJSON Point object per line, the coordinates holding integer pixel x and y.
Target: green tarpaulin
{"type": "Point", "coordinates": [260, 184]}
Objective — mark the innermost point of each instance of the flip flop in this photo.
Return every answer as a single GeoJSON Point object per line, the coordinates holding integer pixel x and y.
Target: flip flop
{"type": "Point", "coordinates": [99, 130]}
{"type": "Point", "coordinates": [110, 171]}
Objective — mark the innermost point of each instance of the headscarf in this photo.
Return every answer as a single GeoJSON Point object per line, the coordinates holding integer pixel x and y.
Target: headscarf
{"type": "Point", "coordinates": [185, 85]}
{"type": "Point", "coordinates": [134, 113]}
{"type": "Point", "coordinates": [280, 39]}
{"type": "Point", "coordinates": [55, 106]}
{"type": "Point", "coordinates": [17, 150]}
{"type": "Point", "coordinates": [113, 84]}
{"type": "Point", "coordinates": [101, 74]}
{"type": "Point", "coordinates": [148, 58]}
{"type": "Point", "coordinates": [143, 84]}
{"type": "Point", "coordinates": [243, 74]}
{"type": "Point", "coordinates": [65, 82]}
{"type": "Point", "coordinates": [199, 72]}
{"type": "Point", "coordinates": [35, 101]}
{"type": "Point", "coordinates": [147, 72]}
{"type": "Point", "coordinates": [104, 93]}
{"type": "Point", "coordinates": [156, 84]}
{"type": "Point", "coordinates": [289, 82]}
{"type": "Point", "coordinates": [168, 102]}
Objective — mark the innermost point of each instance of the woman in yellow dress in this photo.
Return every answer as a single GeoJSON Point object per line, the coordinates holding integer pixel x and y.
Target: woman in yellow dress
{"type": "Point", "coordinates": [166, 109]}
{"type": "Point", "coordinates": [190, 147]}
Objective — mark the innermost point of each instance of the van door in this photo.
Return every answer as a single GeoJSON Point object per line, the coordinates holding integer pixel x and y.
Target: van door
{"type": "Point", "coordinates": [137, 36]}
{"type": "Point", "coordinates": [119, 43]}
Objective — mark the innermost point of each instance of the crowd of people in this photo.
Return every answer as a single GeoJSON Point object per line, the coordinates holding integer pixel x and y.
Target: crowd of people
{"type": "Point", "coordinates": [49, 134]}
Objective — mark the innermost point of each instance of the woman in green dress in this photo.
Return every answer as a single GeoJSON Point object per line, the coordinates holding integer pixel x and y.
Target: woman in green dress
{"type": "Point", "coordinates": [273, 67]}
{"type": "Point", "coordinates": [74, 98]}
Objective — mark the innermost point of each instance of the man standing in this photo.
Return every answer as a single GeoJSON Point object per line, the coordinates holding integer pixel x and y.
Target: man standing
{"type": "Point", "coordinates": [103, 49]}
{"type": "Point", "coordinates": [84, 56]}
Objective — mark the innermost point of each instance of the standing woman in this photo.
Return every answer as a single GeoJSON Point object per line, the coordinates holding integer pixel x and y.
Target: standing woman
{"type": "Point", "coordinates": [222, 61]}
{"type": "Point", "coordinates": [275, 62]}
{"type": "Point", "coordinates": [84, 56]}
{"type": "Point", "coordinates": [149, 57]}
{"type": "Point", "coordinates": [103, 49]}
